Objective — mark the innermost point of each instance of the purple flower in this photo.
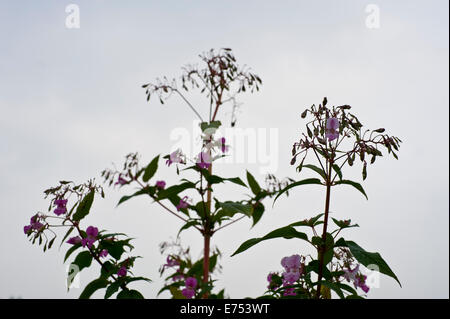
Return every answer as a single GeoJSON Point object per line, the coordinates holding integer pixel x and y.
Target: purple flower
{"type": "Point", "coordinates": [191, 282]}
{"type": "Point", "coordinates": [60, 210]}
{"type": "Point", "coordinates": [171, 262]}
{"type": "Point", "coordinates": [122, 271]}
{"type": "Point", "coordinates": [188, 293]}
{"type": "Point", "coordinates": [27, 228]}
{"type": "Point", "coordinates": [35, 224]}
{"type": "Point", "coordinates": [91, 236]}
{"type": "Point", "coordinates": [291, 276]}
{"type": "Point", "coordinates": [332, 129]}
{"type": "Point", "coordinates": [74, 240]}
{"type": "Point", "coordinates": [103, 253]}
{"type": "Point", "coordinates": [121, 181]}
{"type": "Point", "coordinates": [203, 160]}
{"type": "Point", "coordinates": [350, 275]}
{"type": "Point", "coordinates": [175, 157]}
{"type": "Point", "coordinates": [60, 206]}
{"type": "Point", "coordinates": [183, 203]}
{"type": "Point", "coordinates": [161, 184]}
{"type": "Point", "coordinates": [291, 263]}
{"type": "Point", "coordinates": [223, 146]}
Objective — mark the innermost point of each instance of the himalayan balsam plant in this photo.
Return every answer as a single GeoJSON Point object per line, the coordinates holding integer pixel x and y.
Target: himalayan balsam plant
{"type": "Point", "coordinates": [193, 200]}
{"type": "Point", "coordinates": [334, 138]}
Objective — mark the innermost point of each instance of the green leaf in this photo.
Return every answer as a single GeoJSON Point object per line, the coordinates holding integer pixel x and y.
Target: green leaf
{"type": "Point", "coordinates": [338, 171]}
{"type": "Point", "coordinates": [214, 125]}
{"type": "Point", "coordinates": [66, 235]}
{"type": "Point", "coordinates": [231, 208]}
{"type": "Point", "coordinates": [258, 211]}
{"type": "Point", "coordinates": [84, 207]}
{"type": "Point", "coordinates": [129, 294]}
{"type": "Point", "coordinates": [174, 190]}
{"type": "Point", "coordinates": [71, 250]}
{"type": "Point", "coordinates": [83, 260]}
{"type": "Point", "coordinates": [295, 184]}
{"type": "Point", "coordinates": [187, 225]}
{"type": "Point", "coordinates": [144, 191]}
{"type": "Point", "coordinates": [316, 169]}
{"type": "Point", "coordinates": [354, 184]}
{"type": "Point", "coordinates": [368, 258]}
{"type": "Point", "coordinates": [150, 170]}
{"type": "Point", "coordinates": [254, 186]}
{"type": "Point", "coordinates": [112, 288]}
{"type": "Point", "coordinates": [286, 232]}
{"type": "Point", "coordinates": [92, 287]}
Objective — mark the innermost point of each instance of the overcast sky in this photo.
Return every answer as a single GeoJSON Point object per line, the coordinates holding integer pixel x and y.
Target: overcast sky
{"type": "Point", "coordinates": [71, 103]}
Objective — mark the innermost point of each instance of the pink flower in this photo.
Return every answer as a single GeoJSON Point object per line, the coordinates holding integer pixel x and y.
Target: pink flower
{"type": "Point", "coordinates": [175, 157]}
{"type": "Point", "coordinates": [332, 129]}
{"type": "Point", "coordinates": [103, 253]}
{"type": "Point", "coordinates": [183, 203]}
{"type": "Point", "coordinates": [122, 271]}
{"type": "Point", "coordinates": [161, 184]}
{"type": "Point", "coordinates": [203, 160]}
{"type": "Point", "coordinates": [74, 240]}
{"type": "Point", "coordinates": [188, 293]}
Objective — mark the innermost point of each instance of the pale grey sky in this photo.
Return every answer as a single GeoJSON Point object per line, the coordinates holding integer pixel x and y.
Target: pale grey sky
{"type": "Point", "coordinates": [71, 103]}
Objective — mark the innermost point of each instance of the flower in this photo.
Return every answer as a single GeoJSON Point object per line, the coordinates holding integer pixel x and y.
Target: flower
{"type": "Point", "coordinates": [35, 224]}
{"type": "Point", "coordinates": [60, 206]}
{"type": "Point", "coordinates": [121, 181]}
{"type": "Point", "coordinates": [74, 240]}
{"type": "Point", "coordinates": [175, 157]}
{"type": "Point", "coordinates": [191, 282]}
{"type": "Point", "coordinates": [171, 262]}
{"type": "Point", "coordinates": [122, 271]}
{"type": "Point", "coordinates": [103, 253]}
{"type": "Point", "coordinates": [358, 279]}
{"type": "Point", "coordinates": [183, 203]}
{"type": "Point", "coordinates": [332, 129]}
{"type": "Point", "coordinates": [291, 276]}
{"type": "Point", "coordinates": [160, 184]}
{"type": "Point", "coordinates": [188, 293]}
{"type": "Point", "coordinates": [203, 160]}
{"type": "Point", "coordinates": [223, 147]}
{"type": "Point", "coordinates": [292, 262]}
{"type": "Point", "coordinates": [91, 237]}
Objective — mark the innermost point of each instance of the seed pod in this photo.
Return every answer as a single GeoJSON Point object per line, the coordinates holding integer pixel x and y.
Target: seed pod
{"type": "Point", "coordinates": [324, 101]}
{"type": "Point", "coordinates": [293, 160]}
{"type": "Point", "coordinates": [380, 130]}
{"type": "Point", "coordinates": [304, 114]}
{"type": "Point", "coordinates": [364, 171]}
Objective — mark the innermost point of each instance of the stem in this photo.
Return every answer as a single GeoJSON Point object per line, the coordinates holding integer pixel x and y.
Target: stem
{"type": "Point", "coordinates": [190, 105]}
{"type": "Point", "coordinates": [207, 235]}
{"type": "Point", "coordinates": [324, 233]}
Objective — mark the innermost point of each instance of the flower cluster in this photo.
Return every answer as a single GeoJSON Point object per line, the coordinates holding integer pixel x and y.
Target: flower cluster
{"type": "Point", "coordinates": [89, 240]}
{"type": "Point", "coordinates": [358, 279]}
{"type": "Point", "coordinates": [35, 224]}
{"type": "Point", "coordinates": [293, 266]}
